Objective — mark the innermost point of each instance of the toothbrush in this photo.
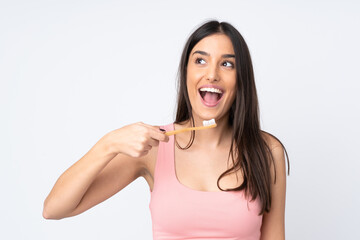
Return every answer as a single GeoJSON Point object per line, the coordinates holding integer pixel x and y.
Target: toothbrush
{"type": "Point", "coordinates": [206, 124]}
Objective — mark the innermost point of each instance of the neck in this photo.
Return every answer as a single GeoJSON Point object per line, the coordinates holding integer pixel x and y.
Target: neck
{"type": "Point", "coordinates": [212, 137]}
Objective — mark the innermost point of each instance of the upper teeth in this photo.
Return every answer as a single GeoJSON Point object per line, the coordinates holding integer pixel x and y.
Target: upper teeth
{"type": "Point", "coordinates": [211, 90]}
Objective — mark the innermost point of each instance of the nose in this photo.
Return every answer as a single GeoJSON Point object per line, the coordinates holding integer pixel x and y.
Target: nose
{"type": "Point", "coordinates": [212, 74]}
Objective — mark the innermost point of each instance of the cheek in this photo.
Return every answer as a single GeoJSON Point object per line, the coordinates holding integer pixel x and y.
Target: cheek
{"type": "Point", "coordinates": [191, 90]}
{"type": "Point", "coordinates": [194, 73]}
{"type": "Point", "coordinates": [233, 82]}
{"type": "Point", "coordinates": [233, 86]}
{"type": "Point", "coordinates": [192, 79]}
{"type": "Point", "coordinates": [233, 95]}
{"type": "Point", "coordinates": [190, 86]}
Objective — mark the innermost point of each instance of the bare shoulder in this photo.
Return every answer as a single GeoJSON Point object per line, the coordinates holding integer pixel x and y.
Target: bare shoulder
{"type": "Point", "coordinates": [273, 224]}
{"type": "Point", "coordinates": [278, 151]}
{"type": "Point", "coordinates": [272, 141]}
{"type": "Point", "coordinates": [276, 146]}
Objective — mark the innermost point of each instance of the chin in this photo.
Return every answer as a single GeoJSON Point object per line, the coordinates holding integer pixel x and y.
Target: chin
{"type": "Point", "coordinates": [206, 117]}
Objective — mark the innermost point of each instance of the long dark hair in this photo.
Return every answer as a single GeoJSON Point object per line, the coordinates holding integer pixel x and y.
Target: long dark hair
{"type": "Point", "coordinates": [253, 154]}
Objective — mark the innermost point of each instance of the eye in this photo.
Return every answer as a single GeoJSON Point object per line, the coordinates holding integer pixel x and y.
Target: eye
{"type": "Point", "coordinates": [228, 64]}
{"type": "Point", "coordinates": [199, 60]}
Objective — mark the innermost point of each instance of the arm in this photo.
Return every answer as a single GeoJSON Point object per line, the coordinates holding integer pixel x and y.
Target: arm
{"type": "Point", "coordinates": [273, 226]}
{"type": "Point", "coordinates": [98, 175]}
{"type": "Point", "coordinates": [102, 171]}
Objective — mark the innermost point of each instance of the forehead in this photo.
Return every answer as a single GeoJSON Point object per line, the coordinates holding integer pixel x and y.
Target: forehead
{"type": "Point", "coordinates": [215, 44]}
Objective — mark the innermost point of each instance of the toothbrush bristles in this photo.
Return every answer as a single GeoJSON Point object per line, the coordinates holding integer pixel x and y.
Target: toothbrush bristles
{"type": "Point", "coordinates": [210, 122]}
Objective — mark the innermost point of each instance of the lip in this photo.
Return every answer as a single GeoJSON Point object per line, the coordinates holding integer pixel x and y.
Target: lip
{"type": "Point", "coordinates": [207, 104]}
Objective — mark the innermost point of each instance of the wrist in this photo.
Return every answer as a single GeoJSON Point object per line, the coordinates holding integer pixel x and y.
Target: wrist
{"type": "Point", "coordinates": [105, 146]}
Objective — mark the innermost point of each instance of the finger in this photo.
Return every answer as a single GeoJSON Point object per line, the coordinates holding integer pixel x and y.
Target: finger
{"type": "Point", "coordinates": [153, 142]}
{"type": "Point", "coordinates": [159, 135]}
{"type": "Point", "coordinates": [143, 153]}
{"type": "Point", "coordinates": [156, 133]}
{"type": "Point", "coordinates": [156, 128]}
{"type": "Point", "coordinates": [147, 148]}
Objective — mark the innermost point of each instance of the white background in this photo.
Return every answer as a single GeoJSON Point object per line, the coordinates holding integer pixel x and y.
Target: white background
{"type": "Point", "coordinates": [71, 71]}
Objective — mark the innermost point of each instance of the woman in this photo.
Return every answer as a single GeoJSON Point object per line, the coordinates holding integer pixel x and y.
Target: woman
{"type": "Point", "coordinates": [226, 182]}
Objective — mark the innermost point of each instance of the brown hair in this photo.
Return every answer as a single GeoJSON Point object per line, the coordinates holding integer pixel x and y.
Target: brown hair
{"type": "Point", "coordinates": [253, 153]}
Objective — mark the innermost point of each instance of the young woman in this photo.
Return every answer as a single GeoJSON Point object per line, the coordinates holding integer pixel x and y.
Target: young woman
{"type": "Point", "coordinates": [226, 182]}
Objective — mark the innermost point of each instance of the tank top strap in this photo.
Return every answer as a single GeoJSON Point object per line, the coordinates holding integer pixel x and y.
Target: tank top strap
{"type": "Point", "coordinates": [164, 162]}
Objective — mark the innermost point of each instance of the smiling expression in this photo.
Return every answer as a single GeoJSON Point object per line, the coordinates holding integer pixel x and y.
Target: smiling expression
{"type": "Point", "coordinates": [211, 67]}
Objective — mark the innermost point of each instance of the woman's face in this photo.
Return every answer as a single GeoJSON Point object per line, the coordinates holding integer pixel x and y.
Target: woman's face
{"type": "Point", "coordinates": [211, 77]}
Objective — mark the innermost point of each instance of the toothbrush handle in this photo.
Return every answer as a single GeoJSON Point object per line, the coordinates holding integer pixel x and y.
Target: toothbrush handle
{"type": "Point", "coordinates": [188, 129]}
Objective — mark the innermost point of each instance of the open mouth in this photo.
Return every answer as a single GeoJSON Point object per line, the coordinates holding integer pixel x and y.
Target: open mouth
{"type": "Point", "coordinates": [210, 98]}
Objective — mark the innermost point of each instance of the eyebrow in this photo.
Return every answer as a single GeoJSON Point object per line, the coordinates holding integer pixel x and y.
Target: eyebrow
{"type": "Point", "coordinates": [207, 54]}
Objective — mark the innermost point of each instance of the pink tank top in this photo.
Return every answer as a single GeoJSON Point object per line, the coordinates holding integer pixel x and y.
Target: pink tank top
{"type": "Point", "coordinates": [179, 212]}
